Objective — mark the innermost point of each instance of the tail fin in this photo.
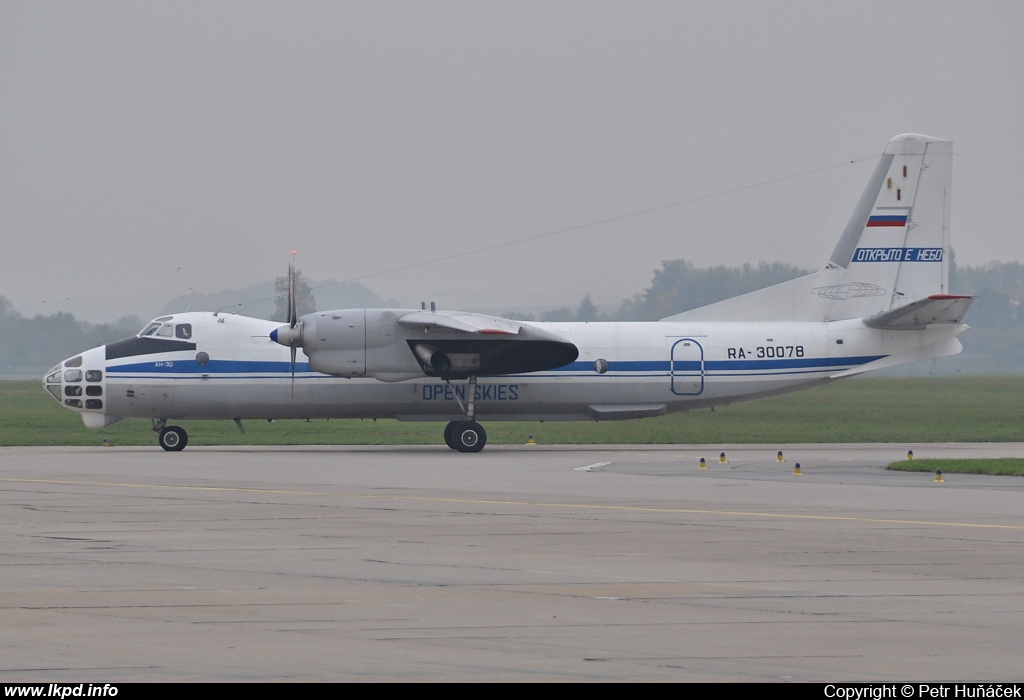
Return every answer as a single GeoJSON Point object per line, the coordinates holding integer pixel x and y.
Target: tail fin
{"type": "Point", "coordinates": [893, 251]}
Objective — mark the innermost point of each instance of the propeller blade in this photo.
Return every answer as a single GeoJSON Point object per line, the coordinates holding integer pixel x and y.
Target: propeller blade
{"type": "Point", "coordinates": [293, 371]}
{"type": "Point", "coordinates": [292, 301]}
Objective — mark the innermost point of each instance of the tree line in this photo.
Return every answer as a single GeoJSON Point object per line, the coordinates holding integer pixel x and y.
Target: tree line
{"type": "Point", "coordinates": [32, 345]}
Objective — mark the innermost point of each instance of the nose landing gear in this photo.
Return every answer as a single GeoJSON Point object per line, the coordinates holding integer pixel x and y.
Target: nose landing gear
{"type": "Point", "coordinates": [171, 437]}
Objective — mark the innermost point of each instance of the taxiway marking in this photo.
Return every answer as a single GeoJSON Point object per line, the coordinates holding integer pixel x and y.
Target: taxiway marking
{"type": "Point", "coordinates": [532, 504]}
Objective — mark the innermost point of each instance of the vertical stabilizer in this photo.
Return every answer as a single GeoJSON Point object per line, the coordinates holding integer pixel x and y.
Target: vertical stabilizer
{"type": "Point", "coordinates": [896, 250]}
{"type": "Point", "coordinates": [893, 251]}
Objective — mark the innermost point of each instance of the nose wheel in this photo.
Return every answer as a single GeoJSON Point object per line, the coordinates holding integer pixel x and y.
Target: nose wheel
{"type": "Point", "coordinates": [173, 439]}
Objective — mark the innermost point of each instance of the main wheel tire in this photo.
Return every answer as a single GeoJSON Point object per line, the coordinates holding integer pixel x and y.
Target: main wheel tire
{"type": "Point", "coordinates": [469, 436]}
{"type": "Point", "coordinates": [173, 438]}
{"type": "Point", "coordinates": [448, 431]}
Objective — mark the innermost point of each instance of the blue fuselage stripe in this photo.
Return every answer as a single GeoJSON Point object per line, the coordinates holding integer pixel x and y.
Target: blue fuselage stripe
{"type": "Point", "coordinates": [631, 367]}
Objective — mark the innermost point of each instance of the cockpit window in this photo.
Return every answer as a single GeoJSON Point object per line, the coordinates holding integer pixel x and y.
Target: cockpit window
{"type": "Point", "coordinates": [153, 325]}
{"type": "Point", "coordinates": [53, 377]}
{"type": "Point", "coordinates": [72, 375]}
{"type": "Point", "coordinates": [166, 331]}
{"type": "Point", "coordinates": [183, 330]}
{"type": "Point", "coordinates": [94, 375]}
{"type": "Point", "coordinates": [74, 362]}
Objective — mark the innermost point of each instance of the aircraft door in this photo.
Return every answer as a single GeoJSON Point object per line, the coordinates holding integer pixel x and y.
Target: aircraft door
{"type": "Point", "coordinates": [686, 367]}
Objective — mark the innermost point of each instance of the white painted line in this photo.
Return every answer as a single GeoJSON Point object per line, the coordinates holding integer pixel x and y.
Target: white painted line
{"type": "Point", "coordinates": [590, 467]}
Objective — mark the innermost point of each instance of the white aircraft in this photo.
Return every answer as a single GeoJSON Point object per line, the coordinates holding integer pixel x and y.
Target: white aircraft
{"type": "Point", "coordinates": [880, 301]}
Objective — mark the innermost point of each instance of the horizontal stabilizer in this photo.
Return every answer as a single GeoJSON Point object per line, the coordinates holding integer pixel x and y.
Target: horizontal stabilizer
{"type": "Point", "coordinates": [947, 309]}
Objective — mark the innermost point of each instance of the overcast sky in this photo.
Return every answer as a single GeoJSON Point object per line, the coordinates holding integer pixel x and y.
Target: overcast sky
{"type": "Point", "coordinates": [147, 148]}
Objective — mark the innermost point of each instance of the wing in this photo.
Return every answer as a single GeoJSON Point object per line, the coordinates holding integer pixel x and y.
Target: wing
{"type": "Point", "coordinates": [458, 344]}
{"type": "Point", "coordinates": [461, 321]}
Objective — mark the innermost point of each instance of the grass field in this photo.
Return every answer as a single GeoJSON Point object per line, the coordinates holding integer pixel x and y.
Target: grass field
{"type": "Point", "coordinates": [900, 410]}
{"type": "Point", "coordinates": [999, 467]}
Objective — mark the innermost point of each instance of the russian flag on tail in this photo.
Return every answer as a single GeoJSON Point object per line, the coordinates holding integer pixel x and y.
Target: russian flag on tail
{"type": "Point", "coordinates": [887, 220]}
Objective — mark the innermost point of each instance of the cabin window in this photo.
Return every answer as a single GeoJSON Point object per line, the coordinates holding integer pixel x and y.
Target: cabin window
{"type": "Point", "coordinates": [72, 391]}
{"type": "Point", "coordinates": [72, 375]}
{"type": "Point", "coordinates": [94, 375]}
{"type": "Point", "coordinates": [93, 391]}
{"type": "Point", "coordinates": [94, 403]}
{"type": "Point", "coordinates": [183, 330]}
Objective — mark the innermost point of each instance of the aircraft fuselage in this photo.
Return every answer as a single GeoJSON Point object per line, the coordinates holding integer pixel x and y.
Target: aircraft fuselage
{"type": "Point", "coordinates": [228, 368]}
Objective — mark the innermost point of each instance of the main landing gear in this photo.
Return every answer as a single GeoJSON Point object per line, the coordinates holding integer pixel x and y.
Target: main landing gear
{"type": "Point", "coordinates": [466, 435]}
{"type": "Point", "coordinates": [172, 438]}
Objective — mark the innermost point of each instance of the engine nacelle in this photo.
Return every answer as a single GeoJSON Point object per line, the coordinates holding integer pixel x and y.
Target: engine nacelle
{"type": "Point", "coordinates": [372, 343]}
{"type": "Point", "coordinates": [335, 342]}
{"type": "Point", "coordinates": [356, 343]}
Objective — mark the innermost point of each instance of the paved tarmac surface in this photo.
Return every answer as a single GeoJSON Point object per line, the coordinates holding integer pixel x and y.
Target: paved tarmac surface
{"type": "Point", "coordinates": [517, 564]}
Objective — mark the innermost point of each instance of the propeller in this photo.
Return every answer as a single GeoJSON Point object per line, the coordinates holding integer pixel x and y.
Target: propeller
{"type": "Point", "coordinates": [290, 335]}
{"type": "Point", "coordinates": [293, 319]}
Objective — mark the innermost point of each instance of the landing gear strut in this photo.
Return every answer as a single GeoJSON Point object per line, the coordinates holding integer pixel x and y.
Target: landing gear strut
{"type": "Point", "coordinates": [466, 435]}
{"type": "Point", "coordinates": [172, 438]}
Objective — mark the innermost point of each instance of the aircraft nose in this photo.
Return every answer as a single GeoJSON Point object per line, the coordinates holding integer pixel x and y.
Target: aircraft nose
{"type": "Point", "coordinates": [78, 382]}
